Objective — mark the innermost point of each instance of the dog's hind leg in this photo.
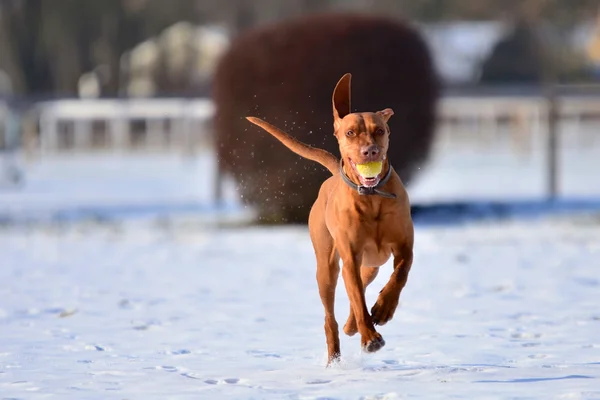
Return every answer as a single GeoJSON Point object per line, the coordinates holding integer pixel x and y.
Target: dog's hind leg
{"type": "Point", "coordinates": [367, 275]}
{"type": "Point", "coordinates": [328, 270]}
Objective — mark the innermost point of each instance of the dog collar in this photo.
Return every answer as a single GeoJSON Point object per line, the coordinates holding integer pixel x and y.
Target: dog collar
{"type": "Point", "coordinates": [369, 190]}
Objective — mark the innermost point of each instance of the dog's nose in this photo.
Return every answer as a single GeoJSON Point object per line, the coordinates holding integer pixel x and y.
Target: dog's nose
{"type": "Point", "coordinates": [370, 151]}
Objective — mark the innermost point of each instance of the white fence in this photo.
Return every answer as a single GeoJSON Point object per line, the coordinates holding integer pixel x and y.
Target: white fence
{"type": "Point", "coordinates": [184, 125]}
{"type": "Point", "coordinates": [167, 124]}
{"type": "Point", "coordinates": [529, 111]}
{"type": "Point", "coordinates": [159, 124]}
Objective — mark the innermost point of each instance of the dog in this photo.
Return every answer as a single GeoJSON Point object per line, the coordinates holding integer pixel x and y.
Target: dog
{"type": "Point", "coordinates": [361, 216]}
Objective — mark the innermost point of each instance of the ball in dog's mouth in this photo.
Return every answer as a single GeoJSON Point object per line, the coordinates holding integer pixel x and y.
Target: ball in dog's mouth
{"type": "Point", "coordinates": [369, 172]}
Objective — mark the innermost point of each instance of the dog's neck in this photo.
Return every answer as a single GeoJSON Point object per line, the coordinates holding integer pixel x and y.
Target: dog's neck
{"type": "Point", "coordinates": [350, 177]}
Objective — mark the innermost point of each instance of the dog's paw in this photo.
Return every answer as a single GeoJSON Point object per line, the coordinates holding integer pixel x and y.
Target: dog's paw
{"type": "Point", "coordinates": [333, 359]}
{"type": "Point", "coordinates": [383, 310]}
{"type": "Point", "coordinates": [374, 344]}
{"type": "Point", "coordinates": [351, 328]}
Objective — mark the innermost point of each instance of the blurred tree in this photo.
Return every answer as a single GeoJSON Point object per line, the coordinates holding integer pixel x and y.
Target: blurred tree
{"type": "Point", "coordinates": [46, 45]}
{"type": "Point", "coordinates": [449, 10]}
{"type": "Point", "coordinates": [593, 49]}
{"type": "Point", "coordinates": [24, 57]}
{"type": "Point", "coordinates": [50, 44]}
{"type": "Point", "coordinates": [514, 59]}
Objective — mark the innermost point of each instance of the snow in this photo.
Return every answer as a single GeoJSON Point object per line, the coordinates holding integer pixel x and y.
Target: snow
{"type": "Point", "coordinates": [479, 165]}
{"type": "Point", "coordinates": [75, 186]}
{"type": "Point", "coordinates": [140, 310]}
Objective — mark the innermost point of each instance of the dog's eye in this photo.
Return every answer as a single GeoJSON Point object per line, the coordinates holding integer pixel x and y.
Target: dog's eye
{"type": "Point", "coordinates": [350, 133]}
{"type": "Point", "coordinates": [379, 131]}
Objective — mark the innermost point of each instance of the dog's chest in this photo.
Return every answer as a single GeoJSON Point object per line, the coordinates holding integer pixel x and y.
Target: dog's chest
{"type": "Point", "coordinates": [378, 227]}
{"type": "Point", "coordinates": [376, 246]}
{"type": "Point", "coordinates": [375, 253]}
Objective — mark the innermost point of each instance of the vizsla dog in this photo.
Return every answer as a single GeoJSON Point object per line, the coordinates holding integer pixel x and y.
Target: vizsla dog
{"type": "Point", "coordinates": [361, 216]}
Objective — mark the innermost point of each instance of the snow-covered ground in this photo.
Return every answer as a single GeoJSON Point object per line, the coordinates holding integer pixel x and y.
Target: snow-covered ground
{"type": "Point", "coordinates": [140, 310]}
{"type": "Point", "coordinates": [116, 186]}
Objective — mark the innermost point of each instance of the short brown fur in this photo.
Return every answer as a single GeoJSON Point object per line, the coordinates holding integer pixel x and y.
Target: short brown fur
{"type": "Point", "coordinates": [363, 231]}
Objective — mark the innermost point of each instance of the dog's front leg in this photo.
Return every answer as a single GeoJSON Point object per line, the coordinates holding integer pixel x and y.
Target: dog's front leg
{"type": "Point", "coordinates": [367, 275]}
{"type": "Point", "coordinates": [388, 298]}
{"type": "Point", "coordinates": [371, 340]}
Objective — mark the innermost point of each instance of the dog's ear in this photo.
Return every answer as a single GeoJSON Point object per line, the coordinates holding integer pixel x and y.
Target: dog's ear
{"type": "Point", "coordinates": [341, 99]}
{"type": "Point", "coordinates": [386, 114]}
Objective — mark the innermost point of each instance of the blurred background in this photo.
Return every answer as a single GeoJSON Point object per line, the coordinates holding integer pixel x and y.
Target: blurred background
{"type": "Point", "coordinates": [107, 111]}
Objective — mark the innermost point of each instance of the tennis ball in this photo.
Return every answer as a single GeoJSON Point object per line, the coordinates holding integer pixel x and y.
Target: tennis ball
{"type": "Point", "coordinates": [370, 169]}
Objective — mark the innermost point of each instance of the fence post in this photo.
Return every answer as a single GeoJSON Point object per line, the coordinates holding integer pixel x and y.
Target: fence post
{"type": "Point", "coordinates": [552, 144]}
{"type": "Point", "coordinates": [549, 65]}
{"type": "Point", "coordinates": [218, 179]}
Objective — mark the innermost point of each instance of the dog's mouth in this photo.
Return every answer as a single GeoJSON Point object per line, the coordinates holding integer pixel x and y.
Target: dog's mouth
{"type": "Point", "coordinates": [368, 173]}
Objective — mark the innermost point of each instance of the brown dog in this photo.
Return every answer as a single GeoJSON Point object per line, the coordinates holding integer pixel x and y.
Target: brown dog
{"type": "Point", "coordinates": [362, 220]}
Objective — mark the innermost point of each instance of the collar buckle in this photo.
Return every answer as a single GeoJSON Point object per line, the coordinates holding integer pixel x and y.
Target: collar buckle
{"type": "Point", "coordinates": [365, 190]}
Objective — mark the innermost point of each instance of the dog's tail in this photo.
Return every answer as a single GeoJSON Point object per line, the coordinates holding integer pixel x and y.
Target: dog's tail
{"type": "Point", "coordinates": [321, 156]}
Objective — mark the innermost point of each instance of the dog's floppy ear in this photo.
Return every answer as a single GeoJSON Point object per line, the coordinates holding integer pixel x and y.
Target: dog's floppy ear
{"type": "Point", "coordinates": [341, 99]}
{"type": "Point", "coordinates": [386, 114]}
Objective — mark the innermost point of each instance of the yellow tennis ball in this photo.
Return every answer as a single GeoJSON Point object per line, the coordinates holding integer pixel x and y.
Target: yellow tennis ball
{"type": "Point", "coordinates": [370, 169]}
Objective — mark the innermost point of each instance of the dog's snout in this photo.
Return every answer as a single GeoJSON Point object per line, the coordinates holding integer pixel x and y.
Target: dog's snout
{"type": "Point", "coordinates": [370, 151]}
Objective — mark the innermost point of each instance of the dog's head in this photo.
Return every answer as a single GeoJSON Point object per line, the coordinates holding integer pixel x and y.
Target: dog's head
{"type": "Point", "coordinates": [363, 137]}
